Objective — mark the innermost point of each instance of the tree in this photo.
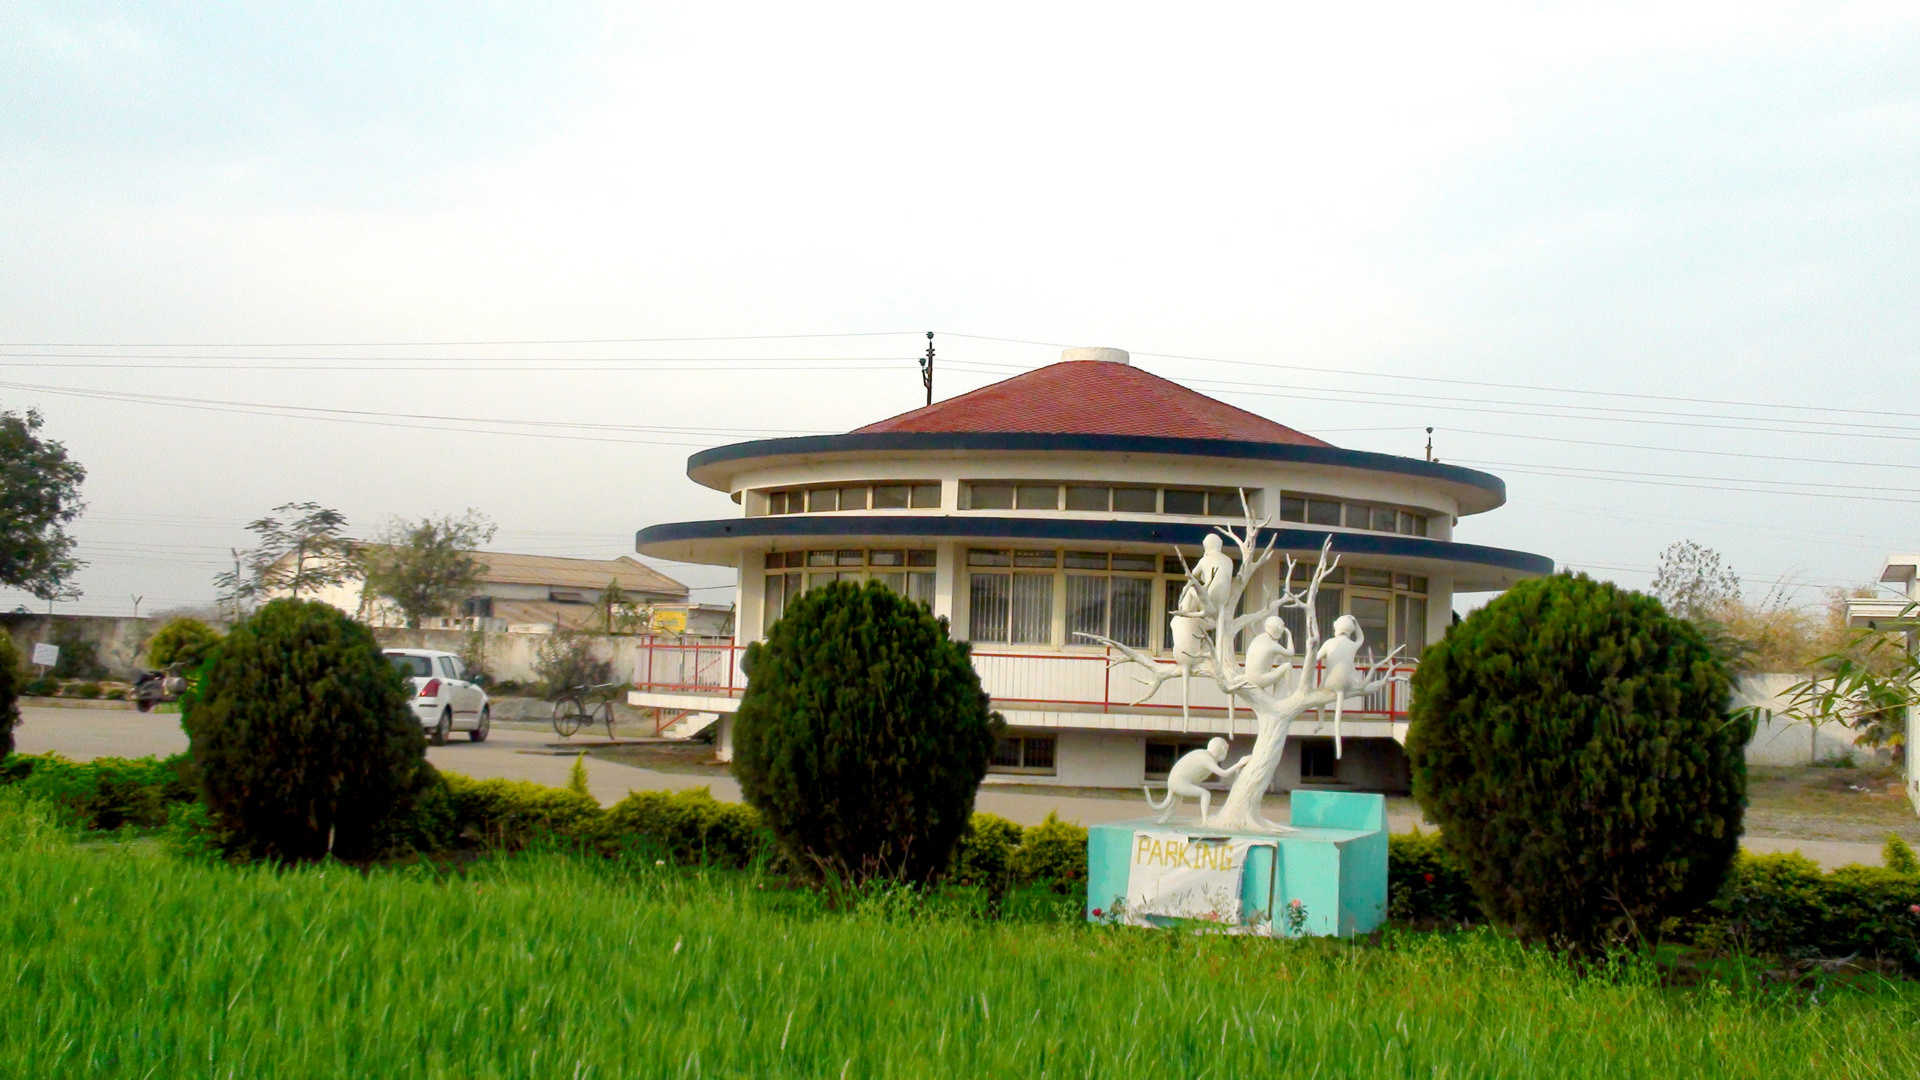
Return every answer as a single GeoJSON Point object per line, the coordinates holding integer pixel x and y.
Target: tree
{"type": "Point", "coordinates": [10, 680]}
{"type": "Point", "coordinates": [1869, 685]}
{"type": "Point", "coordinates": [425, 567]}
{"type": "Point", "coordinates": [863, 735]}
{"type": "Point", "coordinates": [302, 736]}
{"type": "Point", "coordinates": [39, 498]}
{"type": "Point", "coordinates": [1573, 742]}
{"type": "Point", "coordinates": [183, 640]}
{"type": "Point", "coordinates": [1692, 581]}
{"type": "Point", "coordinates": [303, 553]}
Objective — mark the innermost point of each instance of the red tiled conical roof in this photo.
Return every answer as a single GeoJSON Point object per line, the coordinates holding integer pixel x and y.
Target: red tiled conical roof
{"type": "Point", "coordinates": [1093, 397]}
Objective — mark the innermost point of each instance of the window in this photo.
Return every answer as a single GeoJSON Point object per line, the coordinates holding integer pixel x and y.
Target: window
{"type": "Point", "coordinates": [1323, 512]}
{"type": "Point", "coordinates": [909, 573]}
{"type": "Point", "coordinates": [1031, 754]}
{"type": "Point", "coordinates": [1013, 605]}
{"type": "Point", "coordinates": [925, 495]}
{"type": "Point", "coordinates": [990, 496]}
{"type": "Point", "coordinates": [1111, 605]}
{"type": "Point", "coordinates": [776, 502]}
{"type": "Point", "coordinates": [823, 499]}
{"type": "Point", "coordinates": [1088, 497]}
{"type": "Point", "coordinates": [1317, 761]}
{"type": "Point", "coordinates": [853, 498]}
{"type": "Point", "coordinates": [1135, 500]}
{"type": "Point", "coordinates": [1037, 497]}
{"type": "Point", "coordinates": [1225, 504]}
{"type": "Point", "coordinates": [411, 667]}
{"type": "Point", "coordinates": [890, 496]}
{"type": "Point", "coordinates": [1162, 755]}
{"type": "Point", "coordinates": [1185, 501]}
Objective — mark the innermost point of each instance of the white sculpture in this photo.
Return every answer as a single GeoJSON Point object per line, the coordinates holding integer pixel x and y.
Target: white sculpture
{"type": "Point", "coordinates": [1336, 659]}
{"type": "Point", "coordinates": [1191, 653]}
{"type": "Point", "coordinates": [1214, 575]}
{"type": "Point", "coordinates": [1263, 689]}
{"type": "Point", "coordinates": [1184, 779]}
{"type": "Point", "coordinates": [1270, 655]}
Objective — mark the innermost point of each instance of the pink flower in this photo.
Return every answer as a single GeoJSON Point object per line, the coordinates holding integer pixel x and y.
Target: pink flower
{"type": "Point", "coordinates": [1295, 904]}
{"type": "Point", "coordinates": [1096, 913]}
{"type": "Point", "coordinates": [1915, 908]}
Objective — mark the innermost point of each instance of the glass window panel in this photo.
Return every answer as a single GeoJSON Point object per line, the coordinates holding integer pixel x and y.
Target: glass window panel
{"type": "Point", "coordinates": [890, 496]}
{"type": "Point", "coordinates": [990, 496]}
{"type": "Point", "coordinates": [776, 502]}
{"type": "Point", "coordinates": [1038, 753]}
{"type": "Point", "coordinates": [1160, 757]}
{"type": "Point", "coordinates": [987, 601]}
{"type": "Point", "coordinates": [1131, 620]}
{"type": "Point", "coordinates": [1170, 603]}
{"type": "Point", "coordinates": [977, 557]}
{"type": "Point", "coordinates": [775, 559]}
{"type": "Point", "coordinates": [848, 557]}
{"type": "Point", "coordinates": [920, 558]}
{"type": "Point", "coordinates": [854, 576]}
{"type": "Point", "coordinates": [819, 558]}
{"type": "Point", "coordinates": [920, 588]}
{"type": "Point", "coordinates": [1400, 581]}
{"type": "Point", "coordinates": [819, 499]}
{"type": "Point", "coordinates": [1033, 609]}
{"type": "Point", "coordinates": [1135, 500]}
{"type": "Point", "coordinates": [1417, 584]}
{"type": "Point", "coordinates": [1371, 613]}
{"type": "Point", "coordinates": [853, 498]}
{"type": "Point", "coordinates": [1295, 621]}
{"type": "Point", "coordinates": [775, 602]}
{"type": "Point", "coordinates": [1086, 607]}
{"type": "Point", "coordinates": [1036, 558]}
{"type": "Point", "coordinates": [1326, 608]}
{"type": "Point", "coordinates": [1293, 508]}
{"type": "Point", "coordinates": [1225, 504]}
{"type": "Point", "coordinates": [925, 495]}
{"type": "Point", "coordinates": [1372, 578]}
{"type": "Point", "coordinates": [1086, 560]}
{"type": "Point", "coordinates": [796, 583]}
{"type": "Point", "coordinates": [1136, 563]}
{"type": "Point", "coordinates": [1404, 524]}
{"type": "Point", "coordinates": [886, 558]}
{"type": "Point", "coordinates": [1419, 525]}
{"type": "Point", "coordinates": [1037, 497]}
{"type": "Point", "coordinates": [1088, 497]}
{"type": "Point", "coordinates": [1006, 753]}
{"type": "Point", "coordinates": [896, 582]}
{"type": "Point", "coordinates": [1323, 512]}
{"type": "Point", "coordinates": [1384, 518]}
{"type": "Point", "coordinates": [1185, 501]}
{"type": "Point", "coordinates": [1413, 626]}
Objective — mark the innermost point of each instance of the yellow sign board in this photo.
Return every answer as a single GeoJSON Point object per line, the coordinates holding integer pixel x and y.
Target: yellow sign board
{"type": "Point", "coordinates": [668, 622]}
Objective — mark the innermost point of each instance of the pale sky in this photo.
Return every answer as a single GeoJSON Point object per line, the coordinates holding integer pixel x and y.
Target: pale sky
{"type": "Point", "coordinates": [1502, 221]}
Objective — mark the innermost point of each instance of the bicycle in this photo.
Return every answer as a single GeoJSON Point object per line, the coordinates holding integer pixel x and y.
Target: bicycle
{"type": "Point", "coordinates": [571, 710]}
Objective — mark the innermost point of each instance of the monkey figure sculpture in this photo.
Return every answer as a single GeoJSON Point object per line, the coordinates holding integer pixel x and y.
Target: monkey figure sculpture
{"type": "Point", "coordinates": [1337, 655]}
{"type": "Point", "coordinates": [1270, 654]}
{"type": "Point", "coordinates": [1214, 573]}
{"type": "Point", "coordinates": [1184, 779]}
{"type": "Point", "coordinates": [1189, 648]}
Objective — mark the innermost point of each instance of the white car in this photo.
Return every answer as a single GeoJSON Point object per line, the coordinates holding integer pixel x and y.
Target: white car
{"type": "Point", "coordinates": [445, 698]}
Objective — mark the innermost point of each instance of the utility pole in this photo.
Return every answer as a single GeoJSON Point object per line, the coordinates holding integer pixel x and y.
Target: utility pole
{"type": "Point", "coordinates": [1429, 444]}
{"type": "Point", "coordinates": [136, 605]}
{"type": "Point", "coordinates": [926, 368]}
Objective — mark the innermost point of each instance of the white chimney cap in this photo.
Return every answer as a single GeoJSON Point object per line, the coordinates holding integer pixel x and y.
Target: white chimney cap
{"type": "Point", "coordinates": [1110, 356]}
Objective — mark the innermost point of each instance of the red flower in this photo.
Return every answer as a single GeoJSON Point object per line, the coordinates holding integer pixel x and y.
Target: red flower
{"type": "Point", "coordinates": [1096, 913]}
{"type": "Point", "coordinates": [1429, 877]}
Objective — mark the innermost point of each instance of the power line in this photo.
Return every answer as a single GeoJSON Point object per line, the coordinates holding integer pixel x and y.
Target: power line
{"type": "Point", "coordinates": [434, 344]}
{"type": "Point", "coordinates": [1567, 472]}
{"type": "Point", "coordinates": [1689, 450]}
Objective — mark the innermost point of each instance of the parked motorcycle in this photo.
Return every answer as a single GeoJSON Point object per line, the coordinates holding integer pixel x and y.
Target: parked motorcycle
{"type": "Point", "coordinates": [157, 687]}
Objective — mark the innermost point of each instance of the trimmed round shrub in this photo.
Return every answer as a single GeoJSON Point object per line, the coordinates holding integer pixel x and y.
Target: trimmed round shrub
{"type": "Point", "coordinates": [863, 735]}
{"type": "Point", "coordinates": [184, 640]}
{"type": "Point", "coordinates": [302, 737]}
{"type": "Point", "coordinates": [1574, 744]}
{"type": "Point", "coordinates": [12, 683]}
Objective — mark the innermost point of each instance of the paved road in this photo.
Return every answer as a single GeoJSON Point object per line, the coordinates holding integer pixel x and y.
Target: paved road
{"type": "Point", "coordinates": [534, 754]}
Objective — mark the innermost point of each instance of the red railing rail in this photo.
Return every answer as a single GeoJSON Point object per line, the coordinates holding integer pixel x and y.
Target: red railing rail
{"type": "Point", "coordinates": [1080, 681]}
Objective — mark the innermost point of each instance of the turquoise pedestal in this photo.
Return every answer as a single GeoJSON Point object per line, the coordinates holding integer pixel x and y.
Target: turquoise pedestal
{"type": "Point", "coordinates": [1334, 862]}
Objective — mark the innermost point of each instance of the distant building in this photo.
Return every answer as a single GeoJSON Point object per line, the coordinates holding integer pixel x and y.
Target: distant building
{"type": "Point", "coordinates": [542, 593]}
{"type": "Point", "coordinates": [1049, 505]}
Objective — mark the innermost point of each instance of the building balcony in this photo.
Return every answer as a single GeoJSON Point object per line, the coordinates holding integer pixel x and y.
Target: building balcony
{"type": "Point", "coordinates": [1031, 689]}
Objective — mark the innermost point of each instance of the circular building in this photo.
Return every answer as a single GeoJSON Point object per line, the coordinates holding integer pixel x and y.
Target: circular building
{"type": "Point", "coordinates": [1055, 506]}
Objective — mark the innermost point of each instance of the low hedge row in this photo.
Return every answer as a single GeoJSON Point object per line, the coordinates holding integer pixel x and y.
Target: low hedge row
{"type": "Point", "coordinates": [1782, 905]}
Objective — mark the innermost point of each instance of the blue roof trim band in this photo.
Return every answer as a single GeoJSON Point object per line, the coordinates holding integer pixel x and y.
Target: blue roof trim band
{"type": "Point", "coordinates": [1104, 444]}
{"type": "Point", "coordinates": [1080, 529]}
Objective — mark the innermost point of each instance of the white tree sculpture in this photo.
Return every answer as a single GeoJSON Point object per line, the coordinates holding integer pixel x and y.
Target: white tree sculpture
{"type": "Point", "coordinates": [1264, 690]}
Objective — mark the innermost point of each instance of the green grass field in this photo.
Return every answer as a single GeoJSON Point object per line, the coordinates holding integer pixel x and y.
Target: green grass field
{"type": "Point", "coordinates": [120, 959]}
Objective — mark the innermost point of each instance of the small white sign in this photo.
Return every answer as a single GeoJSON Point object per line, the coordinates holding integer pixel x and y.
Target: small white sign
{"type": "Point", "coordinates": [1187, 877]}
{"type": "Point", "coordinates": [46, 655]}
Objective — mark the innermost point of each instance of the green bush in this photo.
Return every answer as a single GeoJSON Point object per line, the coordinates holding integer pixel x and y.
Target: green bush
{"type": "Point", "coordinates": [87, 689]}
{"type": "Point", "coordinates": [984, 856]}
{"type": "Point", "coordinates": [184, 640]}
{"type": "Point", "coordinates": [79, 655]}
{"type": "Point", "coordinates": [1573, 743]}
{"type": "Point", "coordinates": [688, 827]}
{"type": "Point", "coordinates": [1052, 853]}
{"type": "Point", "coordinates": [863, 735]}
{"type": "Point", "coordinates": [1425, 885]}
{"type": "Point", "coordinates": [516, 813]}
{"type": "Point", "coordinates": [11, 687]}
{"type": "Point", "coordinates": [302, 736]}
{"type": "Point", "coordinates": [1783, 905]}
{"type": "Point", "coordinates": [106, 793]}
{"type": "Point", "coordinates": [41, 686]}
{"type": "Point", "coordinates": [565, 660]}
{"type": "Point", "coordinates": [1898, 856]}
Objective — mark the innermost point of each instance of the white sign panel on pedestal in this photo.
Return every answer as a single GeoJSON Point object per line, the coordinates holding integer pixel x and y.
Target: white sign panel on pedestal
{"type": "Point", "coordinates": [1187, 877]}
{"type": "Point", "coordinates": [46, 655]}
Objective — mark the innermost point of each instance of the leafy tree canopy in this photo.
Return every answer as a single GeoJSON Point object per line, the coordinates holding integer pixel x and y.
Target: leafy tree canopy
{"type": "Point", "coordinates": [1693, 582]}
{"type": "Point", "coordinates": [301, 550]}
{"type": "Point", "coordinates": [425, 567]}
{"type": "Point", "coordinates": [39, 498]}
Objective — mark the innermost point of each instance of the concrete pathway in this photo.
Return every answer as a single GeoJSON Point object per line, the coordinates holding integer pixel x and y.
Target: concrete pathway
{"type": "Point", "coordinates": [535, 754]}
